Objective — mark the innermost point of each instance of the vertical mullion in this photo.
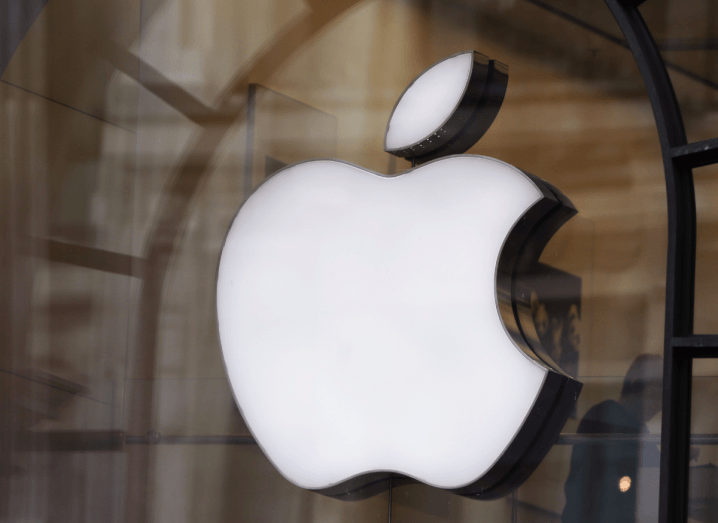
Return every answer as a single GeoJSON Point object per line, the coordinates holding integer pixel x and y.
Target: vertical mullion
{"type": "Point", "coordinates": [675, 436]}
{"type": "Point", "coordinates": [680, 266]}
{"type": "Point", "coordinates": [678, 366]}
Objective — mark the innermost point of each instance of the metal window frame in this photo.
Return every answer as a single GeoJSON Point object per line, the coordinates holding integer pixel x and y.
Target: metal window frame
{"type": "Point", "coordinates": [681, 345]}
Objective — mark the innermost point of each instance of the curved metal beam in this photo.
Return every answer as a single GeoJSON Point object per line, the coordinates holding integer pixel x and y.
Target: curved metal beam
{"type": "Point", "coordinates": [680, 266]}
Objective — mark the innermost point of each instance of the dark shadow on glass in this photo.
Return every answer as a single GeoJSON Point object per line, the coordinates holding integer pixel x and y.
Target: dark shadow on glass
{"type": "Point", "coordinates": [603, 480]}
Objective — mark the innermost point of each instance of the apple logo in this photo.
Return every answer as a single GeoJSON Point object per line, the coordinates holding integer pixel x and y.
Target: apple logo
{"type": "Point", "coordinates": [376, 327]}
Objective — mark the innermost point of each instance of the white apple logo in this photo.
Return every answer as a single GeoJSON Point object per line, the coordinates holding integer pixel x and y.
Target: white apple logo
{"type": "Point", "coordinates": [360, 323]}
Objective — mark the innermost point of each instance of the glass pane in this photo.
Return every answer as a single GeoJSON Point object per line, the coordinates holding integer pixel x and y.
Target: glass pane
{"type": "Point", "coordinates": [703, 471]}
{"type": "Point", "coordinates": [686, 34]}
{"type": "Point", "coordinates": [695, 80]}
{"type": "Point", "coordinates": [705, 321]}
{"type": "Point", "coordinates": [67, 277]}
{"type": "Point", "coordinates": [605, 467]}
{"type": "Point", "coordinates": [127, 146]}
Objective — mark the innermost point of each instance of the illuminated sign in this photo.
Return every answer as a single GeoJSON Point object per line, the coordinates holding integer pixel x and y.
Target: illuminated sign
{"type": "Point", "coordinates": [370, 325]}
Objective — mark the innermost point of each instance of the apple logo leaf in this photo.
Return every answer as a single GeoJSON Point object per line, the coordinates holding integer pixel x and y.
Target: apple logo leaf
{"type": "Point", "coordinates": [377, 328]}
{"type": "Point", "coordinates": [447, 108]}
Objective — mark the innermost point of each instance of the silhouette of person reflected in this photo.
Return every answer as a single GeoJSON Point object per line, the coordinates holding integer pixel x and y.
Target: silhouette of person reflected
{"type": "Point", "coordinates": [602, 482]}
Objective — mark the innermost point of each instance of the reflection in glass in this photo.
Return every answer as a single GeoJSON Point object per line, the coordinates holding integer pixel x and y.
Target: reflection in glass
{"type": "Point", "coordinates": [556, 312]}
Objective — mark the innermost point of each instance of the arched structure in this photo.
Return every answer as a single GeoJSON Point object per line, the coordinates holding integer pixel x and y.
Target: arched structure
{"type": "Point", "coordinates": [681, 345]}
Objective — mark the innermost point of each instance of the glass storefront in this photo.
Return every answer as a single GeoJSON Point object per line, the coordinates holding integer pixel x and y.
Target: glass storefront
{"type": "Point", "coordinates": [131, 132]}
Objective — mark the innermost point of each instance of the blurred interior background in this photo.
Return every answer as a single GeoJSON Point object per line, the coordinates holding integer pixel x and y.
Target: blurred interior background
{"type": "Point", "coordinates": [131, 132]}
